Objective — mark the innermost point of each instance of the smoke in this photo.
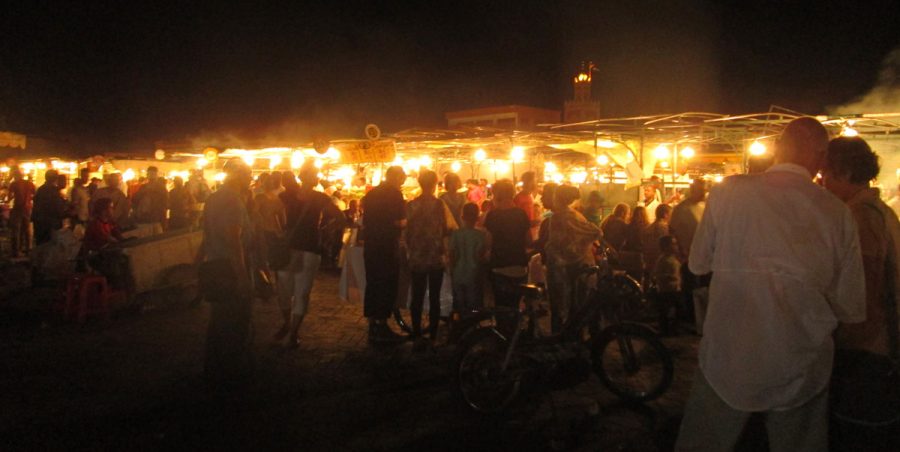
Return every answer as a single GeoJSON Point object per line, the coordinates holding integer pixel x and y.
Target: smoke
{"type": "Point", "coordinates": [291, 132]}
{"type": "Point", "coordinates": [884, 97]}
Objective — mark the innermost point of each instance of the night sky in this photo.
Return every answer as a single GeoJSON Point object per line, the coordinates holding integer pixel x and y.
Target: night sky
{"type": "Point", "coordinates": [121, 76]}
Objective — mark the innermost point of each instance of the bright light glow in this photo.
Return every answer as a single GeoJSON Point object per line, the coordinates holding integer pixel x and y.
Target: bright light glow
{"type": "Point", "coordinates": [550, 167]}
{"type": "Point", "coordinates": [426, 161]}
{"type": "Point", "coordinates": [501, 167]}
{"type": "Point", "coordinates": [345, 174]}
{"type": "Point", "coordinates": [718, 179]}
{"type": "Point", "coordinates": [333, 153]}
{"type": "Point", "coordinates": [56, 164]}
{"type": "Point", "coordinates": [455, 167]}
{"type": "Point", "coordinates": [274, 161]}
{"type": "Point", "coordinates": [578, 177]}
{"type": "Point", "coordinates": [848, 131]}
{"type": "Point", "coordinates": [757, 148]}
{"type": "Point", "coordinates": [582, 77]}
{"type": "Point", "coordinates": [159, 154]}
{"type": "Point", "coordinates": [606, 144]}
{"type": "Point", "coordinates": [27, 167]}
{"type": "Point", "coordinates": [687, 153]}
{"type": "Point", "coordinates": [219, 177]}
{"type": "Point", "coordinates": [248, 159]}
{"type": "Point", "coordinates": [664, 163]}
{"type": "Point", "coordinates": [73, 167]}
{"type": "Point", "coordinates": [296, 159]}
{"type": "Point", "coordinates": [319, 163]}
{"type": "Point", "coordinates": [376, 177]}
{"type": "Point", "coordinates": [662, 152]}
{"type": "Point", "coordinates": [201, 162]}
{"type": "Point", "coordinates": [558, 178]}
{"type": "Point", "coordinates": [128, 175]}
{"type": "Point", "coordinates": [517, 154]}
{"type": "Point", "coordinates": [602, 160]}
{"type": "Point", "coordinates": [4, 169]}
{"type": "Point", "coordinates": [480, 155]}
{"type": "Point", "coordinates": [40, 165]}
{"type": "Point", "coordinates": [398, 161]}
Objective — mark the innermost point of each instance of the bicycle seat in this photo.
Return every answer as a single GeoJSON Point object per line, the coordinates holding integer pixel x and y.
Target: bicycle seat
{"type": "Point", "coordinates": [531, 291]}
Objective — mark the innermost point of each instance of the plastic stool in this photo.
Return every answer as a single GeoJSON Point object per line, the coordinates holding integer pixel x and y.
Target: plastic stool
{"type": "Point", "coordinates": [87, 294]}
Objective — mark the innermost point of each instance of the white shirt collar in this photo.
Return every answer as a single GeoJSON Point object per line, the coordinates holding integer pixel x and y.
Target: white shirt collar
{"type": "Point", "coordinates": [791, 168]}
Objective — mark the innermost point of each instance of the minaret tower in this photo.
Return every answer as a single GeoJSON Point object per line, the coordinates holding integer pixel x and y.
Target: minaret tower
{"type": "Point", "coordinates": [582, 107]}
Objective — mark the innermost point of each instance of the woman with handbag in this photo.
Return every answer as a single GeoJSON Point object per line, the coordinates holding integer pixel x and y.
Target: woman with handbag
{"type": "Point", "coordinates": [865, 383]}
{"type": "Point", "coordinates": [308, 213]}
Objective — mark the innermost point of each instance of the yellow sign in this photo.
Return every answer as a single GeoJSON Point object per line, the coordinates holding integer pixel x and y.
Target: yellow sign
{"type": "Point", "coordinates": [12, 140]}
{"type": "Point", "coordinates": [370, 151]}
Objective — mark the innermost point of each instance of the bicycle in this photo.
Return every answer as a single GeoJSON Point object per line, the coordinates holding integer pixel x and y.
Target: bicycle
{"type": "Point", "coordinates": [494, 363]}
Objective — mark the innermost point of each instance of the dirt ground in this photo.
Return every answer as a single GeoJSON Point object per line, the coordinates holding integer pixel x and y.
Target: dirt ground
{"type": "Point", "coordinates": [134, 383]}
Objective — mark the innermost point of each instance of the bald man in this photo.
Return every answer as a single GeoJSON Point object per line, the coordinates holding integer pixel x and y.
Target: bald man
{"type": "Point", "coordinates": [787, 269]}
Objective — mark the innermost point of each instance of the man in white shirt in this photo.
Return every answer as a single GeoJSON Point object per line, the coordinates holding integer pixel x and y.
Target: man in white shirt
{"type": "Point", "coordinates": [786, 269]}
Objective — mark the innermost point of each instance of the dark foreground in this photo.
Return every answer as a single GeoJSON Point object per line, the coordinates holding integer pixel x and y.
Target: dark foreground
{"type": "Point", "coordinates": [134, 383]}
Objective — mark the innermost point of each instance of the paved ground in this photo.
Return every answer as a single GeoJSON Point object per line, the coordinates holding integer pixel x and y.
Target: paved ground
{"type": "Point", "coordinates": [134, 383]}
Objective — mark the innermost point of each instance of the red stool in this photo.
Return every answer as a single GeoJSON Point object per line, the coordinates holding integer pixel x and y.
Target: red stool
{"type": "Point", "coordinates": [87, 294]}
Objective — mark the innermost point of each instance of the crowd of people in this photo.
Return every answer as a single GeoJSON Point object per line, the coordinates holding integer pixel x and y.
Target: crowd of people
{"type": "Point", "coordinates": [786, 271]}
{"type": "Point", "coordinates": [38, 213]}
{"type": "Point", "coordinates": [789, 278]}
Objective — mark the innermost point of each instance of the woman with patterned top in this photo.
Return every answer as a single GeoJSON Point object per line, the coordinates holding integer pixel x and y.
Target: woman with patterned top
{"type": "Point", "coordinates": [429, 223]}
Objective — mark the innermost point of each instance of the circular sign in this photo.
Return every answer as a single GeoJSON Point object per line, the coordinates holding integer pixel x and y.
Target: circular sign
{"type": "Point", "coordinates": [211, 154]}
{"type": "Point", "coordinates": [372, 132]}
{"type": "Point", "coordinates": [159, 154]}
{"type": "Point", "coordinates": [321, 145]}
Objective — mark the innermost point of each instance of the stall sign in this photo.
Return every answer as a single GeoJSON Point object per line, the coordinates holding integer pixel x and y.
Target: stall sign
{"type": "Point", "coordinates": [369, 151]}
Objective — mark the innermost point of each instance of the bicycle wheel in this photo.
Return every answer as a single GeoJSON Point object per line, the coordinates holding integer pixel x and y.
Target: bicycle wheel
{"type": "Point", "coordinates": [482, 383]}
{"type": "Point", "coordinates": [632, 363]}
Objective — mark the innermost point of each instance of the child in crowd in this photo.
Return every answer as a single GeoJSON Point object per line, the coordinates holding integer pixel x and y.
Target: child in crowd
{"type": "Point", "coordinates": [468, 249]}
{"type": "Point", "coordinates": [667, 275]}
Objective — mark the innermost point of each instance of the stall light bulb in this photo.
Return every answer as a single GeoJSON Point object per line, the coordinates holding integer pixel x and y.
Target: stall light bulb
{"type": "Point", "coordinates": [848, 131]}
{"type": "Point", "coordinates": [248, 159]}
{"type": "Point", "coordinates": [425, 161]}
{"type": "Point", "coordinates": [664, 164]}
{"type": "Point", "coordinates": [128, 175]}
{"type": "Point", "coordinates": [718, 179]}
{"type": "Point", "coordinates": [274, 161]}
{"type": "Point", "coordinates": [201, 162]}
{"type": "Point", "coordinates": [455, 167]}
{"type": "Point", "coordinates": [319, 163]}
{"type": "Point", "coordinates": [578, 177]}
{"type": "Point", "coordinates": [688, 153]}
{"type": "Point", "coordinates": [757, 148]}
{"type": "Point", "coordinates": [333, 153]}
{"type": "Point", "coordinates": [661, 152]}
{"type": "Point", "coordinates": [4, 169]}
{"type": "Point", "coordinates": [606, 144]}
{"type": "Point", "coordinates": [602, 160]}
{"type": "Point", "coordinates": [517, 154]}
{"type": "Point", "coordinates": [296, 159]}
{"type": "Point", "coordinates": [219, 177]}
{"type": "Point", "coordinates": [480, 155]}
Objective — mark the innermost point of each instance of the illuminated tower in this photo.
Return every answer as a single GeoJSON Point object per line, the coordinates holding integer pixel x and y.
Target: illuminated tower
{"type": "Point", "coordinates": [582, 107]}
